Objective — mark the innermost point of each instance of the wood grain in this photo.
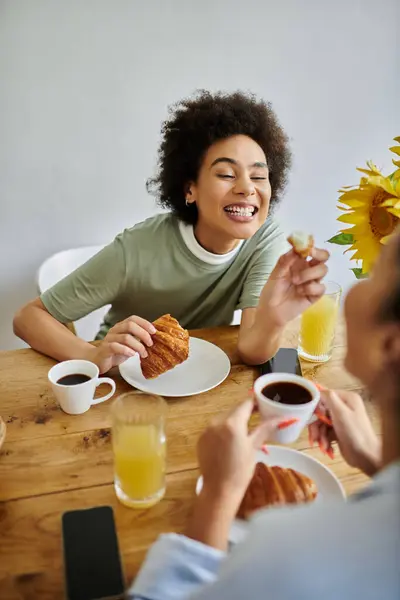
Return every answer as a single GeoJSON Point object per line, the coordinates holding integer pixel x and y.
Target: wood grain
{"type": "Point", "coordinates": [52, 462]}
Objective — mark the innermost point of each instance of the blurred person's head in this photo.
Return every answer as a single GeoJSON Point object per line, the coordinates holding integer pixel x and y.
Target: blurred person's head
{"type": "Point", "coordinates": [372, 311]}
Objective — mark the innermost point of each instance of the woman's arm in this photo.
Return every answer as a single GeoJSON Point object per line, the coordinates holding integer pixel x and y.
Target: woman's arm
{"type": "Point", "coordinates": [35, 325]}
{"type": "Point", "coordinates": [292, 287]}
{"type": "Point", "coordinates": [98, 282]}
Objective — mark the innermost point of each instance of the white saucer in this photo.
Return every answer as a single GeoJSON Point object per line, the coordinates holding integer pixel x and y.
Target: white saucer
{"type": "Point", "coordinates": [206, 367]}
{"type": "Point", "coordinates": [329, 487]}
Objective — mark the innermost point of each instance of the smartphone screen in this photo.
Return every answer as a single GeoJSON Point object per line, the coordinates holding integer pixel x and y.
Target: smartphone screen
{"type": "Point", "coordinates": [286, 360]}
{"type": "Point", "coordinates": [91, 557]}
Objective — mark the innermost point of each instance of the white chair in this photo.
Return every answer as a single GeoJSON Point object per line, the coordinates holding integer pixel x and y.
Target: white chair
{"type": "Point", "coordinates": [59, 266]}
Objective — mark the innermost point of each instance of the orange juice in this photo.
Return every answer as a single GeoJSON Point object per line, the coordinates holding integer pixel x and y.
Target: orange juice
{"type": "Point", "coordinates": [139, 464]}
{"type": "Point", "coordinates": [318, 328]}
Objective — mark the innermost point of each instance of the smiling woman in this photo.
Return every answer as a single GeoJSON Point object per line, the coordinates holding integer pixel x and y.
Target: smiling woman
{"type": "Point", "coordinates": [223, 164]}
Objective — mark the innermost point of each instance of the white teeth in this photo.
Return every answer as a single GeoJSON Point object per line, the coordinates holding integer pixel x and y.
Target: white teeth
{"type": "Point", "coordinates": [241, 211]}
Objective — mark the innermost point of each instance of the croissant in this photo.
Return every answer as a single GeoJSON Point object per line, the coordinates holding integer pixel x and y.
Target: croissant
{"type": "Point", "coordinates": [301, 242]}
{"type": "Point", "coordinates": [170, 348]}
{"type": "Point", "coordinates": [276, 486]}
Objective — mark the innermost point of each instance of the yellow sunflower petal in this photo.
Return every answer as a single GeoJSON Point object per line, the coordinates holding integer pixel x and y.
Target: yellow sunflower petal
{"type": "Point", "coordinates": [395, 149]}
{"type": "Point", "coordinates": [397, 139]}
{"type": "Point", "coordinates": [382, 182]}
{"type": "Point", "coordinates": [394, 211]}
{"type": "Point", "coordinates": [385, 239]}
{"type": "Point", "coordinates": [389, 202]}
{"type": "Point", "coordinates": [353, 218]}
{"type": "Point", "coordinates": [363, 196]}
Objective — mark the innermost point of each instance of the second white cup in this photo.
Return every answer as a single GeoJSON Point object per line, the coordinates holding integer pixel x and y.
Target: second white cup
{"type": "Point", "coordinates": [76, 398]}
{"type": "Point", "coordinates": [270, 408]}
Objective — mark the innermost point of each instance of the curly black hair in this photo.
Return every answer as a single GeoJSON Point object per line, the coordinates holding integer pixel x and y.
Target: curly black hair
{"type": "Point", "coordinates": [194, 124]}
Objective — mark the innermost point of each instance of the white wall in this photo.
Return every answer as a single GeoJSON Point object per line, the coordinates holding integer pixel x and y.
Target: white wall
{"type": "Point", "coordinates": [84, 85]}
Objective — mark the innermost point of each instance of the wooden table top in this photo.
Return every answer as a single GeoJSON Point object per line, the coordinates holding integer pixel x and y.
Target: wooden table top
{"type": "Point", "coordinates": [52, 462]}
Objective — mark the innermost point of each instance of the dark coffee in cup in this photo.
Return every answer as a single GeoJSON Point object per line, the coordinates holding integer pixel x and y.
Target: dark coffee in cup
{"type": "Point", "coordinates": [73, 379]}
{"type": "Point", "coordinates": [287, 392]}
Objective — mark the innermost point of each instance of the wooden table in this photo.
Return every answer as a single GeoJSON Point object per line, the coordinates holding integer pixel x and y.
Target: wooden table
{"type": "Point", "coordinates": [52, 462]}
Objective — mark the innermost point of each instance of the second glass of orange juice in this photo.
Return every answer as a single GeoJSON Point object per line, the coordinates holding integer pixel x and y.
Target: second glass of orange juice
{"type": "Point", "coordinates": [317, 330]}
{"type": "Point", "coordinates": [139, 442]}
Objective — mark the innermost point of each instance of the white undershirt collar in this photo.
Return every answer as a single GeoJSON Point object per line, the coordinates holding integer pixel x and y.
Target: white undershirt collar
{"type": "Point", "coordinates": [201, 253]}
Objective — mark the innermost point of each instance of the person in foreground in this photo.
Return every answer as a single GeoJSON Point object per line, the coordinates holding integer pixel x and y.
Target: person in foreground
{"type": "Point", "coordinates": [329, 550]}
{"type": "Point", "coordinates": [223, 165]}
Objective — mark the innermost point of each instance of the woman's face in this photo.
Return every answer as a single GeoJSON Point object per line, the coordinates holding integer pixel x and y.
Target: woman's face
{"type": "Point", "coordinates": [232, 191]}
{"type": "Point", "coordinates": [373, 344]}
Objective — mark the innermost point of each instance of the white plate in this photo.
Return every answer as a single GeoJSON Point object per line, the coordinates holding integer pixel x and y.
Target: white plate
{"type": "Point", "coordinates": [329, 487]}
{"type": "Point", "coordinates": [206, 367]}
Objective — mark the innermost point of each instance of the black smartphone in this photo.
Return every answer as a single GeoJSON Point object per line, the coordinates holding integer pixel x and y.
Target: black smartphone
{"type": "Point", "coordinates": [286, 360]}
{"type": "Point", "coordinates": [91, 557]}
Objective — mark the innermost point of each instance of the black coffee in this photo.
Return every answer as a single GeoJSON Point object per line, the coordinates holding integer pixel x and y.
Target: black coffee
{"type": "Point", "coordinates": [287, 392]}
{"type": "Point", "coordinates": [73, 379]}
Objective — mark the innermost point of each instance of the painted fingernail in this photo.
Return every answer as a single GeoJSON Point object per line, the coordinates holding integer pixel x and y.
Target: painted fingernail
{"type": "Point", "coordinates": [319, 386]}
{"type": "Point", "coordinates": [331, 453]}
{"type": "Point", "coordinates": [323, 450]}
{"type": "Point", "coordinates": [264, 449]}
{"type": "Point", "coordinates": [287, 423]}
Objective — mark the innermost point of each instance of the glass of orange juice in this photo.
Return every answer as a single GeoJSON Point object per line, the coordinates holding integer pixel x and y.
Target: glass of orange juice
{"type": "Point", "coordinates": [318, 322]}
{"type": "Point", "coordinates": [139, 445]}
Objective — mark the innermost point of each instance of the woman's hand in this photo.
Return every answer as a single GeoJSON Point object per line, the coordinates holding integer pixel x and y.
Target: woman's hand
{"type": "Point", "coordinates": [293, 286]}
{"type": "Point", "coordinates": [227, 450]}
{"type": "Point", "coordinates": [122, 341]}
{"type": "Point", "coordinates": [226, 453]}
{"type": "Point", "coordinates": [351, 428]}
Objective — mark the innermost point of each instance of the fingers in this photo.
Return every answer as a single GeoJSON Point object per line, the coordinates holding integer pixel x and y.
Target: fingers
{"type": "Point", "coordinates": [135, 327]}
{"type": "Point", "coordinates": [335, 403]}
{"type": "Point", "coordinates": [240, 415]}
{"type": "Point", "coordinates": [312, 290]}
{"type": "Point", "coordinates": [146, 325]}
{"type": "Point", "coordinates": [315, 273]}
{"type": "Point", "coordinates": [116, 349]}
{"type": "Point", "coordinates": [264, 431]}
{"type": "Point", "coordinates": [284, 264]}
{"type": "Point", "coordinates": [319, 255]}
{"type": "Point", "coordinates": [126, 339]}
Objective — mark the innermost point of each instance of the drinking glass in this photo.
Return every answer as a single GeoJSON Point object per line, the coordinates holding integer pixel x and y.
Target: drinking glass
{"type": "Point", "coordinates": [139, 446]}
{"type": "Point", "coordinates": [318, 322]}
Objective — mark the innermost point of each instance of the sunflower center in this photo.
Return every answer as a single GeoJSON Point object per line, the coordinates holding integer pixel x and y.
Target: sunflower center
{"type": "Point", "coordinates": [382, 222]}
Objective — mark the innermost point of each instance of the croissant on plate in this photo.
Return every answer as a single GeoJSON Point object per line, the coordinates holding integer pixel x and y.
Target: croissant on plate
{"type": "Point", "coordinates": [170, 348]}
{"type": "Point", "coordinates": [276, 486]}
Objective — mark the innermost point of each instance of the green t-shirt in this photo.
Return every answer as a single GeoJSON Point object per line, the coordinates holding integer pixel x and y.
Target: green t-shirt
{"type": "Point", "coordinates": [149, 270]}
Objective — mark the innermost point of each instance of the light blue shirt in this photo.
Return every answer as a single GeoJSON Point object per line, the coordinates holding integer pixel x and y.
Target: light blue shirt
{"type": "Point", "coordinates": [338, 551]}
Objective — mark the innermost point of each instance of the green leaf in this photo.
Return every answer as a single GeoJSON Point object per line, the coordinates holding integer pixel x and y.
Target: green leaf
{"type": "Point", "coordinates": [358, 273]}
{"type": "Point", "coordinates": [342, 239]}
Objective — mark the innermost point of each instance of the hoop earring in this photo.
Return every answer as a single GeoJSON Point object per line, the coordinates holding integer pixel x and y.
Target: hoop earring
{"type": "Point", "coordinates": [187, 203]}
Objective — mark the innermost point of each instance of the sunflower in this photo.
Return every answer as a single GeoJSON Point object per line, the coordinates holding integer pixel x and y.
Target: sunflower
{"type": "Point", "coordinates": [372, 209]}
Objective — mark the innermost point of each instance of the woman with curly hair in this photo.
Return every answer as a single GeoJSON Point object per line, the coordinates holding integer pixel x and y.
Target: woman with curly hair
{"type": "Point", "coordinates": [223, 164]}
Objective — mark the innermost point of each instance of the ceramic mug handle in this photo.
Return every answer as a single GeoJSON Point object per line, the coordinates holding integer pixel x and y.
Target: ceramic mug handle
{"type": "Point", "coordinates": [101, 380]}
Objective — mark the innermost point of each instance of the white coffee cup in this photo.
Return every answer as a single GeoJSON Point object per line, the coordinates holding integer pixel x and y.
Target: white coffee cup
{"type": "Point", "coordinates": [269, 408]}
{"type": "Point", "coordinates": [77, 399]}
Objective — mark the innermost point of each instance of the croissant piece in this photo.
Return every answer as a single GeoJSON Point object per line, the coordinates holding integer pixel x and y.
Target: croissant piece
{"type": "Point", "coordinates": [276, 486]}
{"type": "Point", "coordinates": [170, 348]}
{"type": "Point", "coordinates": [301, 242]}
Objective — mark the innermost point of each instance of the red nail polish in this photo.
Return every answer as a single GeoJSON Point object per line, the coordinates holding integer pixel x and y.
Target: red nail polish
{"type": "Point", "coordinates": [287, 423]}
{"type": "Point", "coordinates": [264, 449]}
{"type": "Point", "coordinates": [331, 453]}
